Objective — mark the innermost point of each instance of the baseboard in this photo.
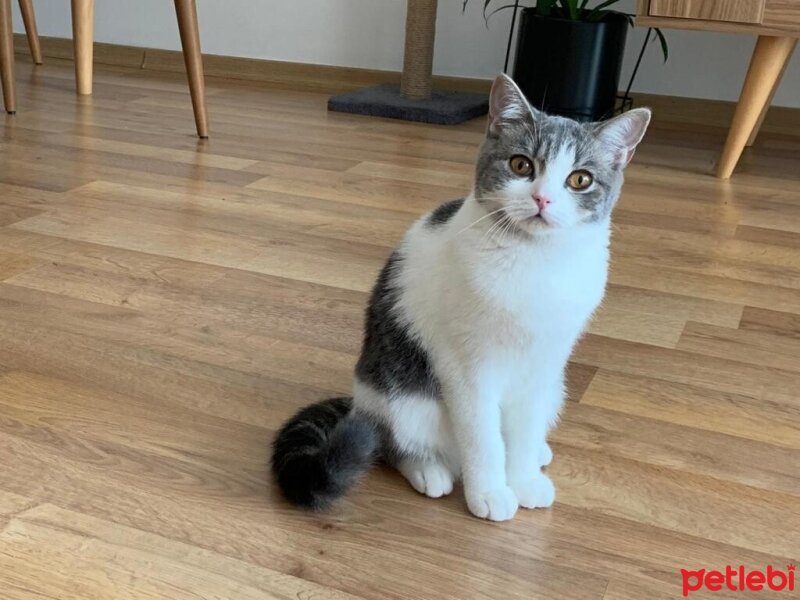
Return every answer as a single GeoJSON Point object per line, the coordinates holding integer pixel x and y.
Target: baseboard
{"type": "Point", "coordinates": [299, 76]}
{"type": "Point", "coordinates": [333, 80]}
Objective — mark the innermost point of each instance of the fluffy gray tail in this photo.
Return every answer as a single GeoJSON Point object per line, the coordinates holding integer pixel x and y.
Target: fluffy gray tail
{"type": "Point", "coordinates": [320, 452]}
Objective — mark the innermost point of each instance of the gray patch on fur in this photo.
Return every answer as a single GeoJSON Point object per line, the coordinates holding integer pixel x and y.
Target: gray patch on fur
{"type": "Point", "coordinates": [444, 212]}
{"type": "Point", "coordinates": [392, 361]}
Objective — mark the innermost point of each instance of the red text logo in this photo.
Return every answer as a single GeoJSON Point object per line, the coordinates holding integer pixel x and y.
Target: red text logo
{"type": "Point", "coordinates": [739, 580]}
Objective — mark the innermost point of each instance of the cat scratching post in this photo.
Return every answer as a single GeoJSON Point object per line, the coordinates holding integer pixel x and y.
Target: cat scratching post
{"type": "Point", "coordinates": [414, 99]}
{"type": "Point", "coordinates": [416, 83]}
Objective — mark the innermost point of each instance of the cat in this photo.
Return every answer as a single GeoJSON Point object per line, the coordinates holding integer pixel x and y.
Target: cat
{"type": "Point", "coordinates": [472, 320]}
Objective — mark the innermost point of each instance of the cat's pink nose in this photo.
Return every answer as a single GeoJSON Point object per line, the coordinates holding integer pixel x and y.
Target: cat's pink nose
{"type": "Point", "coordinates": [541, 201]}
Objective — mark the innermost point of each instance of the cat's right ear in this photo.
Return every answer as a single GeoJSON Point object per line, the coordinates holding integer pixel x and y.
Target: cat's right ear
{"type": "Point", "coordinates": [623, 133]}
{"type": "Point", "coordinates": [507, 104]}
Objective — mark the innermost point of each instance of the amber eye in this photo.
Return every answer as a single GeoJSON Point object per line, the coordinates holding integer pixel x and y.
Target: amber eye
{"type": "Point", "coordinates": [580, 180]}
{"type": "Point", "coordinates": [521, 165]}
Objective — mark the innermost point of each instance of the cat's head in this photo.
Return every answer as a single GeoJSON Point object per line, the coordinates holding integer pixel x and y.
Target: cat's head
{"type": "Point", "coordinates": [546, 173]}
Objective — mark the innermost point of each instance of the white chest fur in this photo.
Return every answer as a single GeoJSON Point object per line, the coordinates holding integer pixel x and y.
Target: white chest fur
{"type": "Point", "coordinates": [545, 285]}
{"type": "Point", "coordinates": [479, 297]}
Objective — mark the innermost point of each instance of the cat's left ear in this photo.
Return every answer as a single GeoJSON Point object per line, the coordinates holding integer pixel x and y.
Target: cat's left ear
{"type": "Point", "coordinates": [507, 104]}
{"type": "Point", "coordinates": [622, 134]}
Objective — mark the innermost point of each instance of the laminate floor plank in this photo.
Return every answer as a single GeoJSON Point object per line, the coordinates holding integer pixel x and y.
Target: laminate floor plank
{"type": "Point", "coordinates": [166, 303]}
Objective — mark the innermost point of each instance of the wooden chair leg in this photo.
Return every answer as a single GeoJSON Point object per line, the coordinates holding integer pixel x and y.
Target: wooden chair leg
{"type": "Point", "coordinates": [28, 17]}
{"type": "Point", "coordinates": [7, 58]}
{"type": "Point", "coordinates": [186, 11]}
{"type": "Point", "coordinates": [83, 42]}
{"type": "Point", "coordinates": [752, 139]}
{"type": "Point", "coordinates": [766, 66]}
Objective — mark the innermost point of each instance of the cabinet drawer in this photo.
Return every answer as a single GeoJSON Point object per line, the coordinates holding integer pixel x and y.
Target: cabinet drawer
{"type": "Point", "coordinates": [783, 13]}
{"type": "Point", "coordinates": [732, 11]}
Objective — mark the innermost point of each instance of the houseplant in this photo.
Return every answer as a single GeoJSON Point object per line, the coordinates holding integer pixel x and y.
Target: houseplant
{"type": "Point", "coordinates": [569, 54]}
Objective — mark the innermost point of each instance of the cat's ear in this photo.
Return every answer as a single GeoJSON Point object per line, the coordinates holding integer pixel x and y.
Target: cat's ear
{"type": "Point", "coordinates": [622, 134]}
{"type": "Point", "coordinates": [507, 103]}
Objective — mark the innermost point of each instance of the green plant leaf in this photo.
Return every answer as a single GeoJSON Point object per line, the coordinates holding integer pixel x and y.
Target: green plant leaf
{"type": "Point", "coordinates": [663, 41]}
{"type": "Point", "coordinates": [486, 4]}
{"type": "Point", "coordinates": [496, 10]}
{"type": "Point", "coordinates": [605, 4]}
{"type": "Point", "coordinates": [543, 7]}
{"type": "Point", "coordinates": [598, 12]}
{"type": "Point", "coordinates": [570, 8]}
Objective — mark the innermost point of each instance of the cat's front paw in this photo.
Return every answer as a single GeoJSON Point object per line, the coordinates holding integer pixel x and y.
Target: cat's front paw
{"type": "Point", "coordinates": [499, 504]}
{"type": "Point", "coordinates": [536, 492]}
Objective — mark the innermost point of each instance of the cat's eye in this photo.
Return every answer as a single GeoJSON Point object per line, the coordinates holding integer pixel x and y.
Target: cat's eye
{"type": "Point", "coordinates": [521, 165]}
{"type": "Point", "coordinates": [580, 180]}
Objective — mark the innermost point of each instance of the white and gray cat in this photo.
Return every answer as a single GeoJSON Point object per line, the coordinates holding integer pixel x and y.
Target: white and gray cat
{"type": "Point", "coordinates": [472, 320]}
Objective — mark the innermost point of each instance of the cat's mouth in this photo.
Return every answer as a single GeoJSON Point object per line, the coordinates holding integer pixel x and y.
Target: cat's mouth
{"type": "Point", "coordinates": [537, 220]}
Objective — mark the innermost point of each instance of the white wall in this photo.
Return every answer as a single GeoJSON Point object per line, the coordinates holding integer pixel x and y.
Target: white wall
{"type": "Point", "coordinates": [369, 34]}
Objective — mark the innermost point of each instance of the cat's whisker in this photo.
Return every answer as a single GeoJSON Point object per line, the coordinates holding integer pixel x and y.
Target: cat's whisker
{"type": "Point", "coordinates": [496, 232]}
{"type": "Point", "coordinates": [487, 236]}
{"type": "Point", "coordinates": [506, 231]}
{"type": "Point", "coordinates": [494, 212]}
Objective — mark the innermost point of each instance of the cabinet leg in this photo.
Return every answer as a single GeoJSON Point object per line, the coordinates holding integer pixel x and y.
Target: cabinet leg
{"type": "Point", "coordinates": [769, 58]}
{"type": "Point", "coordinates": [83, 41]}
{"type": "Point", "coordinates": [763, 115]}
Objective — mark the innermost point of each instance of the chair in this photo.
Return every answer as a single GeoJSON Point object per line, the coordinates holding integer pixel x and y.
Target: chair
{"type": "Point", "coordinates": [28, 18]}
{"type": "Point", "coordinates": [83, 40]}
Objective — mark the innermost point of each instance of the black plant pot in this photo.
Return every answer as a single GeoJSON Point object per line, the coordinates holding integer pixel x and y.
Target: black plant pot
{"type": "Point", "coordinates": [570, 68]}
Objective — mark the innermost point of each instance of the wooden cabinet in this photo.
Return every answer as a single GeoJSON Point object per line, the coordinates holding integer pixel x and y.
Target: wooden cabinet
{"type": "Point", "coordinates": [763, 17]}
{"type": "Point", "coordinates": [734, 11]}
{"type": "Point", "coordinates": [777, 25]}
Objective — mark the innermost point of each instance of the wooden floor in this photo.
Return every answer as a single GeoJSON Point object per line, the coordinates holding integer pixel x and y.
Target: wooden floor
{"type": "Point", "coordinates": [166, 303]}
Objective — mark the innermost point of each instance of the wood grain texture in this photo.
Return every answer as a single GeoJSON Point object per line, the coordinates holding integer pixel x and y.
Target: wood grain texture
{"type": "Point", "coordinates": [777, 17]}
{"type": "Point", "coordinates": [782, 13]}
{"type": "Point", "coordinates": [734, 11]}
{"type": "Point", "coordinates": [165, 304]}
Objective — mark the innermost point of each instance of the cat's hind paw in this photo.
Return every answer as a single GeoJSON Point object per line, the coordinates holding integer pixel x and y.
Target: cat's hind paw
{"type": "Point", "coordinates": [499, 504]}
{"type": "Point", "coordinates": [430, 478]}
{"type": "Point", "coordinates": [537, 492]}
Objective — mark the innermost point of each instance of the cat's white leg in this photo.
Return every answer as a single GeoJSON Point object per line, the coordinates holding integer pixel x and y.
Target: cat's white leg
{"type": "Point", "coordinates": [476, 421]}
{"type": "Point", "coordinates": [552, 401]}
{"type": "Point", "coordinates": [526, 421]}
{"type": "Point", "coordinates": [533, 488]}
{"type": "Point", "coordinates": [431, 477]}
{"type": "Point", "coordinates": [545, 455]}
{"type": "Point", "coordinates": [421, 435]}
